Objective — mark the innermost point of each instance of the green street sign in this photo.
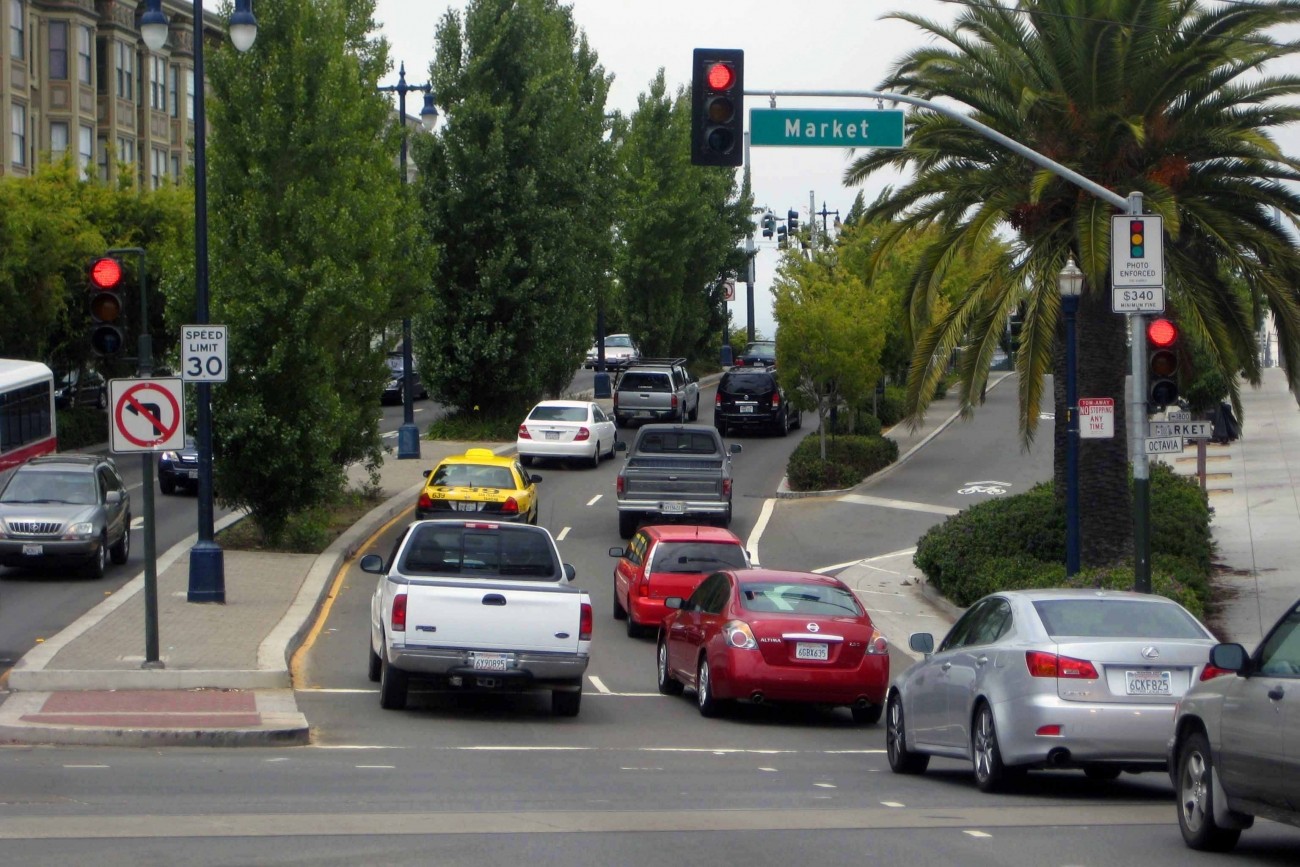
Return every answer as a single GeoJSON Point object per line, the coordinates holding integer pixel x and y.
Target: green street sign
{"type": "Point", "coordinates": [833, 128]}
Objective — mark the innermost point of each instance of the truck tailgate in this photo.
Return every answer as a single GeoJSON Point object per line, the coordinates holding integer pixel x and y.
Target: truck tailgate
{"type": "Point", "coordinates": [655, 477]}
{"type": "Point", "coordinates": [489, 616]}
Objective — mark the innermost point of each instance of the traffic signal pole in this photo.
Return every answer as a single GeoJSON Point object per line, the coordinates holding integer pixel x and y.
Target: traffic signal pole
{"type": "Point", "coordinates": [750, 251]}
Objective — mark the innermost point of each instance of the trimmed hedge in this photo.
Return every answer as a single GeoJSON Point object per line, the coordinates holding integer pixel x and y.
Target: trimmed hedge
{"type": "Point", "coordinates": [849, 460]}
{"type": "Point", "coordinates": [81, 427]}
{"type": "Point", "coordinates": [1018, 542]}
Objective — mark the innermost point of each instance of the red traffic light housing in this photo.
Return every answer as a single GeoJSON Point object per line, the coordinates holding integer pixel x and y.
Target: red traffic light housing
{"type": "Point", "coordinates": [718, 107]}
{"type": "Point", "coordinates": [107, 320]}
{"type": "Point", "coordinates": [1162, 364]}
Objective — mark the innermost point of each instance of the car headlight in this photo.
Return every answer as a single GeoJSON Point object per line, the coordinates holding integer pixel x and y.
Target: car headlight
{"type": "Point", "coordinates": [394, 383]}
{"type": "Point", "coordinates": [168, 457]}
{"type": "Point", "coordinates": [80, 530]}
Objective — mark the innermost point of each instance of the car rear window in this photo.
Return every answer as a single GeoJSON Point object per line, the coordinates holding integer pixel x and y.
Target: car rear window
{"type": "Point", "coordinates": [687, 557]}
{"type": "Point", "coordinates": [558, 413]}
{"type": "Point", "coordinates": [774, 597]}
{"type": "Point", "coordinates": [486, 550]}
{"type": "Point", "coordinates": [746, 383]}
{"type": "Point", "coordinates": [473, 476]}
{"type": "Point", "coordinates": [1116, 618]}
{"type": "Point", "coordinates": [677, 443]}
{"type": "Point", "coordinates": [635, 380]}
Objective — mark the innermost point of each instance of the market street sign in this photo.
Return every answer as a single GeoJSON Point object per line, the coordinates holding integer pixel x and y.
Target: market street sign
{"type": "Point", "coordinates": [838, 128]}
{"type": "Point", "coordinates": [1194, 430]}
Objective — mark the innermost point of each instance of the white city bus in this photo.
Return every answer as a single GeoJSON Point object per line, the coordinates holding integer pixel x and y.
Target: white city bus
{"type": "Point", "coordinates": [27, 425]}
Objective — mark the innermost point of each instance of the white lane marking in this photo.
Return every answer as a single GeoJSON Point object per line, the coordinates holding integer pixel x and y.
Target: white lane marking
{"type": "Point", "coordinates": [905, 505]}
{"type": "Point", "coordinates": [83, 767]}
{"type": "Point", "coordinates": [769, 770]}
{"type": "Point", "coordinates": [562, 534]}
{"type": "Point", "coordinates": [976, 834]}
{"type": "Point", "coordinates": [826, 785]}
{"type": "Point", "coordinates": [724, 751]}
{"type": "Point", "coordinates": [327, 691]}
{"type": "Point", "coordinates": [137, 523]}
{"type": "Point", "coordinates": [598, 683]}
{"type": "Point", "coordinates": [276, 759]}
{"type": "Point", "coordinates": [751, 544]}
{"type": "Point", "coordinates": [594, 500]}
{"type": "Point", "coordinates": [891, 804]}
{"type": "Point", "coordinates": [375, 767]}
{"type": "Point", "coordinates": [353, 747]}
{"type": "Point", "coordinates": [392, 434]}
{"type": "Point", "coordinates": [902, 552]}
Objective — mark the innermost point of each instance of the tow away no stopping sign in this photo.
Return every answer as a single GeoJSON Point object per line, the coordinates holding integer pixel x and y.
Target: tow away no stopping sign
{"type": "Point", "coordinates": [148, 415]}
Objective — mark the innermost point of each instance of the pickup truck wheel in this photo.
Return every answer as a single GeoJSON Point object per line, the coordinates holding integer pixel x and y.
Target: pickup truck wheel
{"type": "Point", "coordinates": [695, 411]}
{"type": "Point", "coordinates": [668, 685]}
{"type": "Point", "coordinates": [373, 664]}
{"type": "Point", "coordinates": [627, 522]}
{"type": "Point", "coordinates": [392, 686]}
{"type": "Point", "coordinates": [566, 702]}
{"type": "Point", "coordinates": [725, 521]}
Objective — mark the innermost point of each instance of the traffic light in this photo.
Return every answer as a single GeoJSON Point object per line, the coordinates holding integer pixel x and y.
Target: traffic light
{"type": "Point", "coordinates": [718, 107]}
{"type": "Point", "coordinates": [781, 236]}
{"type": "Point", "coordinates": [792, 220]}
{"type": "Point", "coordinates": [769, 225]}
{"type": "Point", "coordinates": [1162, 364]}
{"type": "Point", "coordinates": [107, 319]}
{"type": "Point", "coordinates": [1137, 239]}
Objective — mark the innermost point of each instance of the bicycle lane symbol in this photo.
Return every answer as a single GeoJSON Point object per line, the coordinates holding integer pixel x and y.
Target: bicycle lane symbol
{"type": "Point", "coordinates": [140, 401]}
{"type": "Point", "coordinates": [986, 487]}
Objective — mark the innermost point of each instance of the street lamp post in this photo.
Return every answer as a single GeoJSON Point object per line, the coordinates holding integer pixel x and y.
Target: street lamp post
{"type": "Point", "coordinates": [408, 435]}
{"type": "Point", "coordinates": [207, 567]}
{"type": "Point", "coordinates": [1070, 283]}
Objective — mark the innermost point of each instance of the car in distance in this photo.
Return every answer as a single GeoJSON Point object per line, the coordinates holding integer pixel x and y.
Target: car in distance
{"type": "Point", "coordinates": [392, 392]}
{"type": "Point", "coordinates": [493, 487]}
{"type": "Point", "coordinates": [1048, 679]}
{"type": "Point", "coordinates": [620, 351]}
{"type": "Point", "coordinates": [81, 388]}
{"type": "Point", "coordinates": [1235, 753]}
{"type": "Point", "coordinates": [664, 560]}
{"type": "Point", "coordinates": [759, 353]}
{"type": "Point", "coordinates": [656, 389]}
{"type": "Point", "coordinates": [752, 398]}
{"type": "Point", "coordinates": [758, 635]}
{"type": "Point", "coordinates": [674, 471]}
{"type": "Point", "coordinates": [179, 468]}
{"type": "Point", "coordinates": [65, 510]}
{"type": "Point", "coordinates": [568, 429]}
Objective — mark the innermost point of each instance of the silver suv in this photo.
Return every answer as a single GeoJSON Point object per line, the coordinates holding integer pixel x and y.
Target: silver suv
{"type": "Point", "coordinates": [65, 510]}
{"type": "Point", "coordinates": [656, 389]}
{"type": "Point", "coordinates": [1235, 753]}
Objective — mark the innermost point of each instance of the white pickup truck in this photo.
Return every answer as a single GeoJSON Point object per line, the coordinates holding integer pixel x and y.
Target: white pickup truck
{"type": "Point", "coordinates": [478, 605]}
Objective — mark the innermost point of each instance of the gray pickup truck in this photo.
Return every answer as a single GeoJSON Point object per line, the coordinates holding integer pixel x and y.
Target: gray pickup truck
{"type": "Point", "coordinates": [674, 471]}
{"type": "Point", "coordinates": [656, 389]}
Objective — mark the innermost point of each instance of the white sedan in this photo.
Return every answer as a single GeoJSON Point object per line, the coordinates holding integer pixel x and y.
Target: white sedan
{"type": "Point", "coordinates": [566, 429]}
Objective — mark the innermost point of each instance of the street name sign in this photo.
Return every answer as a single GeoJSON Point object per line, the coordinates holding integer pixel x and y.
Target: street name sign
{"type": "Point", "coordinates": [1178, 415]}
{"type": "Point", "coordinates": [1096, 418]}
{"type": "Point", "coordinates": [820, 127]}
{"type": "Point", "coordinates": [1195, 430]}
{"type": "Point", "coordinates": [203, 353]}
{"type": "Point", "coordinates": [1163, 445]}
{"type": "Point", "coordinates": [146, 415]}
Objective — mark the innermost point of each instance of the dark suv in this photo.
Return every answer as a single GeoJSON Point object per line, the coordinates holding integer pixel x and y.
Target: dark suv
{"type": "Point", "coordinates": [752, 397]}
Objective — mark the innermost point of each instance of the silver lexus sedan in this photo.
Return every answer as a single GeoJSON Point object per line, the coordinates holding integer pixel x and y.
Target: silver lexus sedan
{"type": "Point", "coordinates": [1048, 679]}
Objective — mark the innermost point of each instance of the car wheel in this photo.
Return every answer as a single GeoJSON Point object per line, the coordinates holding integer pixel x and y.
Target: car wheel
{"type": "Point", "coordinates": [725, 521]}
{"type": "Point", "coordinates": [392, 686]}
{"type": "Point", "coordinates": [634, 630]}
{"type": "Point", "coordinates": [695, 410]}
{"type": "Point", "coordinates": [595, 456]}
{"type": "Point", "coordinates": [783, 425]}
{"type": "Point", "coordinates": [901, 759]}
{"type": "Point", "coordinates": [167, 484]}
{"type": "Point", "coordinates": [526, 460]}
{"type": "Point", "coordinates": [668, 685]}
{"type": "Point", "coordinates": [722, 428]}
{"type": "Point", "coordinates": [620, 613]}
{"type": "Point", "coordinates": [1102, 772]}
{"type": "Point", "coordinates": [122, 549]}
{"type": "Point", "coordinates": [709, 705]}
{"type": "Point", "coordinates": [627, 522]}
{"type": "Point", "coordinates": [566, 702]}
{"type": "Point", "coordinates": [99, 563]}
{"type": "Point", "coordinates": [1196, 799]}
{"type": "Point", "coordinates": [102, 401]}
{"type": "Point", "coordinates": [986, 755]}
{"type": "Point", "coordinates": [373, 664]}
{"type": "Point", "coordinates": [867, 716]}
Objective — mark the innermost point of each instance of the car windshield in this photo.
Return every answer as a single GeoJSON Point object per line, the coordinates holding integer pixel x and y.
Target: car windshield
{"type": "Point", "coordinates": [774, 597]}
{"type": "Point", "coordinates": [44, 487]}
{"type": "Point", "coordinates": [746, 383]}
{"type": "Point", "coordinates": [620, 340]}
{"type": "Point", "coordinates": [759, 348]}
{"type": "Point", "coordinates": [472, 476]}
{"type": "Point", "coordinates": [558, 413]}
{"type": "Point", "coordinates": [677, 443]}
{"type": "Point", "coordinates": [496, 550]}
{"type": "Point", "coordinates": [687, 557]}
{"type": "Point", "coordinates": [635, 380]}
{"type": "Point", "coordinates": [1116, 618]}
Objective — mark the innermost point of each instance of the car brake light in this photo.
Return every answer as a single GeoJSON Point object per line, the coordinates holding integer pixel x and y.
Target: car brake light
{"type": "Point", "coordinates": [510, 506]}
{"type": "Point", "coordinates": [616, 400]}
{"type": "Point", "coordinates": [583, 434]}
{"type": "Point", "coordinates": [523, 432]}
{"type": "Point", "coordinates": [397, 622]}
{"type": "Point", "coordinates": [585, 622]}
{"type": "Point", "coordinates": [717, 399]}
{"type": "Point", "coordinates": [1210, 672]}
{"type": "Point", "coordinates": [674, 401]}
{"type": "Point", "coordinates": [426, 501]}
{"type": "Point", "coordinates": [472, 525]}
{"type": "Point", "coordinates": [726, 487]}
{"type": "Point", "coordinates": [878, 643]}
{"type": "Point", "coordinates": [739, 636]}
{"type": "Point", "coordinates": [1050, 731]}
{"type": "Point", "coordinates": [776, 398]}
{"type": "Point", "coordinates": [619, 485]}
{"type": "Point", "coordinates": [1042, 664]}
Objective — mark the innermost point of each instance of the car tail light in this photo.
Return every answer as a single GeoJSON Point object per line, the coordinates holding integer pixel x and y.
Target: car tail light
{"type": "Point", "coordinates": [776, 398]}
{"type": "Point", "coordinates": [674, 401]}
{"type": "Point", "coordinates": [583, 434]}
{"type": "Point", "coordinates": [1042, 664]}
{"type": "Point", "coordinates": [726, 487]}
{"type": "Point", "coordinates": [717, 399]}
{"type": "Point", "coordinates": [1050, 731]}
{"type": "Point", "coordinates": [1210, 672]}
{"type": "Point", "coordinates": [397, 623]}
{"type": "Point", "coordinates": [523, 432]}
{"type": "Point", "coordinates": [584, 622]}
{"type": "Point", "coordinates": [616, 400]}
{"type": "Point", "coordinates": [620, 484]}
{"type": "Point", "coordinates": [739, 636]}
{"type": "Point", "coordinates": [425, 502]}
{"type": "Point", "coordinates": [510, 506]}
{"type": "Point", "coordinates": [878, 643]}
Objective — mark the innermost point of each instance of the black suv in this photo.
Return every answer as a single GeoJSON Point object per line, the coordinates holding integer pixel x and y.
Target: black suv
{"type": "Point", "coordinates": [752, 397]}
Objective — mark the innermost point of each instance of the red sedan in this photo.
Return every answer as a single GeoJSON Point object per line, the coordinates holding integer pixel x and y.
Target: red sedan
{"type": "Point", "coordinates": [760, 635]}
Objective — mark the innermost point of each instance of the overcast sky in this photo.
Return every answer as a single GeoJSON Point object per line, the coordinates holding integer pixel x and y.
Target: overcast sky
{"type": "Point", "coordinates": [808, 45]}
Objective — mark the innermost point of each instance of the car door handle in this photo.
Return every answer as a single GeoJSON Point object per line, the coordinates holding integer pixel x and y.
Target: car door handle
{"type": "Point", "coordinates": [494, 599]}
{"type": "Point", "coordinates": [1276, 693]}
{"type": "Point", "coordinates": [983, 660]}
{"type": "Point", "coordinates": [946, 666]}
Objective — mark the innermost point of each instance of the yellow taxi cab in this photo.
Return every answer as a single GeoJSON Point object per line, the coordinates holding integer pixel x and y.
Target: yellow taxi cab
{"type": "Point", "coordinates": [479, 482]}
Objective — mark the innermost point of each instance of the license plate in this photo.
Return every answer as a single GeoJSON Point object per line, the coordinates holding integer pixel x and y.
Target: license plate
{"type": "Point", "coordinates": [492, 662]}
{"type": "Point", "coordinates": [193, 474]}
{"type": "Point", "coordinates": [465, 507]}
{"type": "Point", "coordinates": [810, 650]}
{"type": "Point", "coordinates": [746, 409]}
{"type": "Point", "coordinates": [33, 550]}
{"type": "Point", "coordinates": [674, 508]}
{"type": "Point", "coordinates": [1148, 682]}
{"type": "Point", "coordinates": [552, 435]}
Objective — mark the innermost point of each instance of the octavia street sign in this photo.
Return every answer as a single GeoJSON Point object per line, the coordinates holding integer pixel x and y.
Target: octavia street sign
{"type": "Point", "coordinates": [838, 128]}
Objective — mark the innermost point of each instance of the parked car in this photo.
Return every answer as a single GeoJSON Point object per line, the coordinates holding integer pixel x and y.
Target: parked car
{"type": "Point", "coordinates": [753, 398]}
{"type": "Point", "coordinates": [759, 635]}
{"type": "Point", "coordinates": [665, 560]}
{"type": "Point", "coordinates": [65, 510]}
{"type": "Point", "coordinates": [393, 388]}
{"type": "Point", "coordinates": [678, 471]}
{"type": "Point", "coordinates": [1048, 679]}
{"type": "Point", "coordinates": [497, 488]}
{"type": "Point", "coordinates": [620, 351]}
{"type": "Point", "coordinates": [1235, 753]}
{"type": "Point", "coordinates": [179, 469]}
{"type": "Point", "coordinates": [656, 389]}
{"type": "Point", "coordinates": [81, 388]}
{"type": "Point", "coordinates": [570, 429]}
{"type": "Point", "coordinates": [760, 353]}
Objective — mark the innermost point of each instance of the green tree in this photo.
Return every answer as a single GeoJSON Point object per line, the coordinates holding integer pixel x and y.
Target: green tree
{"type": "Point", "coordinates": [1165, 97]}
{"type": "Point", "coordinates": [308, 233]}
{"type": "Point", "coordinates": [516, 191]}
{"type": "Point", "coordinates": [678, 228]}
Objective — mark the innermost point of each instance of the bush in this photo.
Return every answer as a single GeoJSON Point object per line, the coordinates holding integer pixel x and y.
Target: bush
{"type": "Point", "coordinates": [81, 427]}
{"type": "Point", "coordinates": [849, 460]}
{"type": "Point", "coordinates": [476, 427]}
{"type": "Point", "coordinates": [860, 422]}
{"type": "Point", "coordinates": [890, 407]}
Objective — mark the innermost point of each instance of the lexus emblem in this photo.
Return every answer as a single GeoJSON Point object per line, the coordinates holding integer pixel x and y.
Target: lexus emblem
{"type": "Point", "coordinates": [813, 627]}
{"type": "Point", "coordinates": [1150, 653]}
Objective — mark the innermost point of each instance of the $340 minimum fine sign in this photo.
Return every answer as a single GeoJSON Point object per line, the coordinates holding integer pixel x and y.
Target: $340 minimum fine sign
{"type": "Point", "coordinates": [203, 353]}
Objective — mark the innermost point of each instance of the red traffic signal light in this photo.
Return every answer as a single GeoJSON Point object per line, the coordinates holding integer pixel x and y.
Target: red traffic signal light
{"type": "Point", "coordinates": [720, 77]}
{"type": "Point", "coordinates": [106, 306]}
{"type": "Point", "coordinates": [1162, 363]}
{"type": "Point", "coordinates": [718, 107]}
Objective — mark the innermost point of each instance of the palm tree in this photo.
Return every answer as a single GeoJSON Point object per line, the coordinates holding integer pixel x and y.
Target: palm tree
{"type": "Point", "coordinates": [1166, 97]}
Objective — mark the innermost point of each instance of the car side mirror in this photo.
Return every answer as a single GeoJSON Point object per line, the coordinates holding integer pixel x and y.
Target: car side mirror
{"type": "Point", "coordinates": [426, 473]}
{"type": "Point", "coordinates": [372, 563]}
{"type": "Point", "coordinates": [921, 642]}
{"type": "Point", "coordinates": [617, 552]}
{"type": "Point", "coordinates": [1229, 657]}
{"type": "Point", "coordinates": [113, 498]}
{"type": "Point", "coordinates": [674, 602]}
{"type": "Point", "coordinates": [534, 478]}
{"type": "Point", "coordinates": [569, 572]}
{"type": "Point", "coordinates": [620, 446]}
{"type": "Point", "coordinates": [735, 448]}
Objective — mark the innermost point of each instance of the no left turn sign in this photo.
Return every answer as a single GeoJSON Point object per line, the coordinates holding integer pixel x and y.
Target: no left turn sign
{"type": "Point", "coordinates": [148, 415]}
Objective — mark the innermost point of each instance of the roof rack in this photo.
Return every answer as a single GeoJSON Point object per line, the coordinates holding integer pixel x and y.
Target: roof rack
{"type": "Point", "coordinates": [657, 362]}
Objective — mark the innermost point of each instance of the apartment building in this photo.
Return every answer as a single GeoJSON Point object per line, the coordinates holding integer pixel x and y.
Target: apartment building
{"type": "Point", "coordinates": [76, 76]}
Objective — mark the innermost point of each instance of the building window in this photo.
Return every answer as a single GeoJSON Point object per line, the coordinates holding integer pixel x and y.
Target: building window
{"type": "Point", "coordinates": [159, 167]}
{"type": "Point", "coordinates": [176, 168]}
{"type": "Point", "coordinates": [83, 54]}
{"type": "Point", "coordinates": [189, 93]}
{"type": "Point", "coordinates": [17, 36]}
{"type": "Point", "coordinates": [59, 50]}
{"type": "Point", "coordinates": [103, 158]}
{"type": "Point", "coordinates": [102, 50]}
{"type": "Point", "coordinates": [18, 133]}
{"type": "Point", "coordinates": [125, 149]}
{"type": "Point", "coordinates": [158, 83]}
{"type": "Point", "coordinates": [58, 138]}
{"type": "Point", "coordinates": [173, 97]}
{"type": "Point", "coordinates": [125, 71]}
{"type": "Point", "coordinates": [85, 147]}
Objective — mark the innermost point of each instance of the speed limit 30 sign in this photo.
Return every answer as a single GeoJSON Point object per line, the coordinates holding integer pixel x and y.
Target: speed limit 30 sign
{"type": "Point", "coordinates": [203, 353]}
